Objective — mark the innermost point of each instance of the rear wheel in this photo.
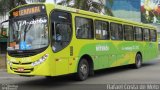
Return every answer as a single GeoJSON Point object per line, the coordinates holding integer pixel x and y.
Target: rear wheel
{"type": "Point", "coordinates": [83, 70]}
{"type": "Point", "coordinates": [138, 61]}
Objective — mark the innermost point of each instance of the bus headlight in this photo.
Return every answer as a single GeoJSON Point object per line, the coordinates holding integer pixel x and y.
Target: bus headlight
{"type": "Point", "coordinates": [41, 60]}
{"type": "Point", "coordinates": [9, 62]}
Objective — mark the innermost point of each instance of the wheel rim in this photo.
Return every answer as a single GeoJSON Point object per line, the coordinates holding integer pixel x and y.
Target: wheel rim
{"type": "Point", "coordinates": [84, 70]}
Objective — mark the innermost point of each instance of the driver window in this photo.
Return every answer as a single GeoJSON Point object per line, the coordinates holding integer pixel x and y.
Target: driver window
{"type": "Point", "coordinates": [61, 30]}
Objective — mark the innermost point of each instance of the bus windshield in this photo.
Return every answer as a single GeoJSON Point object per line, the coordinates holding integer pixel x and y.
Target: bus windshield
{"type": "Point", "coordinates": [28, 33]}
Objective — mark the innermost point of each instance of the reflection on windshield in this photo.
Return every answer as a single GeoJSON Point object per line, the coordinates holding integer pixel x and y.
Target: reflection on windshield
{"type": "Point", "coordinates": [28, 33]}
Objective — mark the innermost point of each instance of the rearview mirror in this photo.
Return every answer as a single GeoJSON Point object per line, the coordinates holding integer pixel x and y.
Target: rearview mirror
{"type": "Point", "coordinates": [3, 30]}
{"type": "Point", "coordinates": [1, 26]}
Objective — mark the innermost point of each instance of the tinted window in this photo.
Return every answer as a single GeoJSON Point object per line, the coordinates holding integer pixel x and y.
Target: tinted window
{"type": "Point", "coordinates": [138, 34]}
{"type": "Point", "coordinates": [146, 34]}
{"type": "Point", "coordinates": [59, 16]}
{"type": "Point", "coordinates": [102, 31]}
{"type": "Point", "coordinates": [84, 28]}
{"type": "Point", "coordinates": [61, 30]}
{"type": "Point", "coordinates": [116, 31]}
{"type": "Point", "coordinates": [128, 33]}
{"type": "Point", "coordinates": [153, 35]}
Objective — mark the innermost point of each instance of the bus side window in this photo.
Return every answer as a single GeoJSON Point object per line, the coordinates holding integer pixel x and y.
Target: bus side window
{"type": "Point", "coordinates": [116, 31]}
{"type": "Point", "coordinates": [102, 30]}
{"type": "Point", "coordinates": [78, 32]}
{"type": "Point", "coordinates": [153, 35]}
{"type": "Point", "coordinates": [138, 34]}
{"type": "Point", "coordinates": [84, 28]}
{"type": "Point", "coordinates": [146, 34]}
{"type": "Point", "coordinates": [128, 33]}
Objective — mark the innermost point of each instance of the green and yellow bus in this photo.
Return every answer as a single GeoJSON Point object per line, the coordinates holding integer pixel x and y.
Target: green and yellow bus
{"type": "Point", "coordinates": [52, 40]}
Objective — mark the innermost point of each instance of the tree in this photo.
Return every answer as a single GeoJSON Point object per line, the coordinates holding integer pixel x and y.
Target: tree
{"type": "Point", "coordinates": [6, 5]}
{"type": "Point", "coordinates": [108, 9]}
{"type": "Point", "coordinates": [31, 1]}
{"type": "Point", "coordinates": [89, 5]}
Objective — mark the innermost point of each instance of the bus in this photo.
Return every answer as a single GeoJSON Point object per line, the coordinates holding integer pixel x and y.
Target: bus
{"type": "Point", "coordinates": [52, 40]}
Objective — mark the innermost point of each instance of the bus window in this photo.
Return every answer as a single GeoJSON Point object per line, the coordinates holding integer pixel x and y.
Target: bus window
{"type": "Point", "coordinates": [128, 33]}
{"type": "Point", "coordinates": [61, 30]}
{"type": "Point", "coordinates": [116, 31]}
{"type": "Point", "coordinates": [84, 28]}
{"type": "Point", "coordinates": [153, 35]}
{"type": "Point", "coordinates": [102, 30]}
{"type": "Point", "coordinates": [138, 34]}
{"type": "Point", "coordinates": [146, 34]}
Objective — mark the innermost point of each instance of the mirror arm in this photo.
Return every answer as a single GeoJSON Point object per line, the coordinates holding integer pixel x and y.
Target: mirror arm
{"type": "Point", "coordinates": [3, 22]}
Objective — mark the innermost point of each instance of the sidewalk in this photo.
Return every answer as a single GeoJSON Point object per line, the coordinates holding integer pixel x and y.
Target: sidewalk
{"type": "Point", "coordinates": [2, 61]}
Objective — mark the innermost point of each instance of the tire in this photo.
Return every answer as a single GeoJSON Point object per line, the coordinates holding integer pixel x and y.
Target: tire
{"type": "Point", "coordinates": [138, 61]}
{"type": "Point", "coordinates": [82, 70]}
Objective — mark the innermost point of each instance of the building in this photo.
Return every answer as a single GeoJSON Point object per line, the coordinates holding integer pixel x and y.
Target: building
{"type": "Point", "coordinates": [145, 11]}
{"type": "Point", "coordinates": [127, 9]}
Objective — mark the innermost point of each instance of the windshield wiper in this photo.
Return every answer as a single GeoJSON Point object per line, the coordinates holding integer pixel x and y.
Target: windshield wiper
{"type": "Point", "coordinates": [27, 28]}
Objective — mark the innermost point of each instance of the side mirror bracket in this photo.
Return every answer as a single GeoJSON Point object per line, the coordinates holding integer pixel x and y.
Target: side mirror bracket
{"type": "Point", "coordinates": [2, 29]}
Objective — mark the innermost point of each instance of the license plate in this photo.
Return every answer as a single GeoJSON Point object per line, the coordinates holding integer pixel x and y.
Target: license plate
{"type": "Point", "coordinates": [20, 69]}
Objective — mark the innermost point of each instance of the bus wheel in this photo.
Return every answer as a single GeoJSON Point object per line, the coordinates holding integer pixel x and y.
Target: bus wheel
{"type": "Point", "coordinates": [138, 61]}
{"type": "Point", "coordinates": [83, 70]}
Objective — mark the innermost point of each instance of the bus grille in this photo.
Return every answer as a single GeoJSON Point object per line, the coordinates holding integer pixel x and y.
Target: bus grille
{"type": "Point", "coordinates": [21, 63]}
{"type": "Point", "coordinates": [25, 70]}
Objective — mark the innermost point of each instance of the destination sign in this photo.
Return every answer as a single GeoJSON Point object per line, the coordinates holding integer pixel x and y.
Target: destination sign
{"type": "Point", "coordinates": [27, 10]}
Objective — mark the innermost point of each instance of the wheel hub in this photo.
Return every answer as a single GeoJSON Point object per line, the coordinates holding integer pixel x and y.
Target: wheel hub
{"type": "Point", "coordinates": [83, 69]}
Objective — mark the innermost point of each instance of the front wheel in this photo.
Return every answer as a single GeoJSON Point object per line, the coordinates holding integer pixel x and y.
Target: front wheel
{"type": "Point", "coordinates": [83, 70]}
{"type": "Point", "coordinates": [138, 61]}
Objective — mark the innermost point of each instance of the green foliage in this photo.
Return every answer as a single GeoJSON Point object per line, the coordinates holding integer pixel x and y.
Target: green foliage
{"type": "Point", "coordinates": [83, 4]}
{"type": "Point", "coordinates": [108, 9]}
{"type": "Point", "coordinates": [6, 5]}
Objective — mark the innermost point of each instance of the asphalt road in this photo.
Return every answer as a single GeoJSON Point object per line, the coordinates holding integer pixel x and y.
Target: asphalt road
{"type": "Point", "coordinates": [148, 74]}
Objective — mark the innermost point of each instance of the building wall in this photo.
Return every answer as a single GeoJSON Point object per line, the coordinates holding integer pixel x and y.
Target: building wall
{"type": "Point", "coordinates": [126, 9]}
{"type": "Point", "coordinates": [135, 10]}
